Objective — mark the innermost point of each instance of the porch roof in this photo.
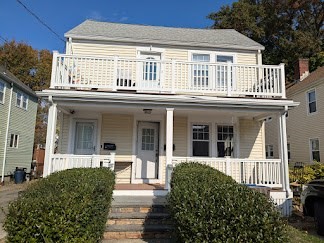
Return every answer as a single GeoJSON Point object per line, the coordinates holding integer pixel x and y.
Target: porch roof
{"type": "Point", "coordinates": [163, 100]}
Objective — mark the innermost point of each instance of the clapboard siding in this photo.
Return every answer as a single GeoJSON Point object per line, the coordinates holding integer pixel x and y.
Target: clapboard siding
{"type": "Point", "coordinates": [180, 136]}
{"type": "Point", "coordinates": [64, 134]}
{"type": "Point", "coordinates": [22, 122]}
{"type": "Point", "coordinates": [251, 139]}
{"type": "Point", "coordinates": [118, 129]}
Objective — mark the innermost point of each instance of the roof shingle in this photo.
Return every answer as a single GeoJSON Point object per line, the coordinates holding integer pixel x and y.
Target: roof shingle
{"type": "Point", "coordinates": [221, 38]}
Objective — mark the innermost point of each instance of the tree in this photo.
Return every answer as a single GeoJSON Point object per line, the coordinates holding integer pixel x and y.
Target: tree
{"type": "Point", "coordinates": [289, 29]}
{"type": "Point", "coordinates": [33, 68]}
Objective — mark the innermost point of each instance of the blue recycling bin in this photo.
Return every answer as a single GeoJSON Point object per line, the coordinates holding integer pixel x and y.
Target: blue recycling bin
{"type": "Point", "coordinates": [20, 175]}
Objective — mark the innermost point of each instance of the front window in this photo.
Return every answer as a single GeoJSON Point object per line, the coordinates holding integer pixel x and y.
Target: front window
{"type": "Point", "coordinates": [315, 151]}
{"type": "Point", "coordinates": [225, 140]}
{"type": "Point", "coordinates": [288, 148]}
{"type": "Point", "coordinates": [22, 100]}
{"type": "Point", "coordinates": [311, 96]}
{"type": "Point", "coordinates": [269, 151]}
{"type": "Point", "coordinates": [200, 71]}
{"type": "Point", "coordinates": [2, 92]}
{"type": "Point", "coordinates": [200, 140]}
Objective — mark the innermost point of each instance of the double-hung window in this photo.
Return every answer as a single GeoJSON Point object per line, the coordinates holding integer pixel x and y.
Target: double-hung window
{"type": "Point", "coordinates": [14, 139]}
{"type": "Point", "coordinates": [311, 99]}
{"type": "Point", "coordinates": [2, 92]}
{"type": "Point", "coordinates": [269, 151]}
{"type": "Point", "coordinates": [200, 140]}
{"type": "Point", "coordinates": [225, 140]}
{"type": "Point", "coordinates": [200, 73]}
{"type": "Point", "coordinates": [22, 100]}
{"type": "Point", "coordinates": [315, 151]}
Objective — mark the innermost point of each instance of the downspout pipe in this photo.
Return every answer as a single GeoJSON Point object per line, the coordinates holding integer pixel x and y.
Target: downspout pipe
{"type": "Point", "coordinates": [6, 136]}
{"type": "Point", "coordinates": [285, 154]}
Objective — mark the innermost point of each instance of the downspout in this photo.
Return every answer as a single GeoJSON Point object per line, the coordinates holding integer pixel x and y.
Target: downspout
{"type": "Point", "coordinates": [6, 136]}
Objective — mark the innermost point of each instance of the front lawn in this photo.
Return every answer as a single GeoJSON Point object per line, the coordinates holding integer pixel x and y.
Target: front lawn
{"type": "Point", "coordinates": [299, 236]}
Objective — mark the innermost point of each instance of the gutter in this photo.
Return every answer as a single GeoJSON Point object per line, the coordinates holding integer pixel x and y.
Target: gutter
{"type": "Point", "coordinates": [6, 136]}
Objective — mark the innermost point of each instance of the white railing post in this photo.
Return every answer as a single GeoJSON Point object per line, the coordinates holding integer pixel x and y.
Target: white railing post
{"type": "Point", "coordinates": [173, 76]}
{"type": "Point", "coordinates": [229, 81]}
{"type": "Point", "coordinates": [168, 173]}
{"type": "Point", "coordinates": [112, 160]}
{"type": "Point", "coordinates": [50, 139]}
{"type": "Point", "coordinates": [54, 69]}
{"type": "Point", "coordinates": [228, 165]}
{"type": "Point", "coordinates": [114, 81]}
{"type": "Point", "coordinates": [283, 80]}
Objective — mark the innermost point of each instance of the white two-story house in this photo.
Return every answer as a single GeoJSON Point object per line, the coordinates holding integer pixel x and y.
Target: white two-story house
{"type": "Point", "coordinates": [146, 98]}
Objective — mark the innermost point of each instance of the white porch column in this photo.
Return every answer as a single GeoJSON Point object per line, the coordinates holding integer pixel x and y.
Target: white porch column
{"type": "Point", "coordinates": [50, 139]}
{"type": "Point", "coordinates": [283, 151]}
{"type": "Point", "coordinates": [169, 143]}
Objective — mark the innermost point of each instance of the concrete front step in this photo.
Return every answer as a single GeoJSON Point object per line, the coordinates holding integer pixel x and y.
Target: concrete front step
{"type": "Point", "coordinates": [138, 232]}
{"type": "Point", "coordinates": [139, 217]}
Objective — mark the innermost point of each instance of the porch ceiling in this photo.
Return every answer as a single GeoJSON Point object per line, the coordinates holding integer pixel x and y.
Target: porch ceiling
{"type": "Point", "coordinates": [109, 102]}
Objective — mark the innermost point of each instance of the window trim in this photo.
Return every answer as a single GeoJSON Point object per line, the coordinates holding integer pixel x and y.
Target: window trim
{"type": "Point", "coordinates": [4, 92]}
{"type": "Point", "coordinates": [15, 142]}
{"type": "Point", "coordinates": [307, 102]}
{"type": "Point", "coordinates": [233, 139]}
{"type": "Point", "coordinates": [22, 96]}
{"type": "Point", "coordinates": [268, 151]}
{"type": "Point", "coordinates": [209, 140]}
{"type": "Point", "coordinates": [311, 149]}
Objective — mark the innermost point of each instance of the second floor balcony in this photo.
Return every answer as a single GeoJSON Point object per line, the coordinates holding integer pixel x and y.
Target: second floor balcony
{"type": "Point", "coordinates": [167, 76]}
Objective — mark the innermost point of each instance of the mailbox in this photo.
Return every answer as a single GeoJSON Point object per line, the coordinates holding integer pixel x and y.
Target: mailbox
{"type": "Point", "coordinates": [109, 146]}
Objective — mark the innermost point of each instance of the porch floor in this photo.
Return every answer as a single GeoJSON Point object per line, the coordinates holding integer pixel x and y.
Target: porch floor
{"type": "Point", "coordinates": [139, 187]}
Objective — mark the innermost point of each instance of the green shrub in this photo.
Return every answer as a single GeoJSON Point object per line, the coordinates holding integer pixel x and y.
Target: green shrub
{"type": "Point", "coordinates": [307, 173]}
{"type": "Point", "coordinates": [208, 206]}
{"type": "Point", "coordinates": [68, 206]}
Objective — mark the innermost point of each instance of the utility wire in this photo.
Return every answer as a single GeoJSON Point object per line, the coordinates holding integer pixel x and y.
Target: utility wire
{"type": "Point", "coordinates": [41, 21]}
{"type": "Point", "coordinates": [3, 39]}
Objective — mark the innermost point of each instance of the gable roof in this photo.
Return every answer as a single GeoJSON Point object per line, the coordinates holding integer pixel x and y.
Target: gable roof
{"type": "Point", "coordinates": [313, 78]}
{"type": "Point", "coordinates": [9, 77]}
{"type": "Point", "coordinates": [221, 38]}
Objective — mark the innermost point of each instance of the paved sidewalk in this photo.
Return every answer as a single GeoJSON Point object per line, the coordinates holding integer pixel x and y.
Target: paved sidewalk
{"type": "Point", "coordinates": [8, 192]}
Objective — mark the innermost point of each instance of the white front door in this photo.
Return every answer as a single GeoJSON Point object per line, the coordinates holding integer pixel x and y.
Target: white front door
{"type": "Point", "coordinates": [147, 150]}
{"type": "Point", "coordinates": [151, 70]}
{"type": "Point", "coordinates": [85, 137]}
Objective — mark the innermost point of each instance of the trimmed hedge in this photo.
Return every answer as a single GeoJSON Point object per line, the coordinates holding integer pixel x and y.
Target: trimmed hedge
{"type": "Point", "coordinates": [68, 206]}
{"type": "Point", "coordinates": [209, 206]}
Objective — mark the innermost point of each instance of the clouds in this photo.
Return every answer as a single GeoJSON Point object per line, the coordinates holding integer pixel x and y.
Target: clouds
{"type": "Point", "coordinates": [114, 17]}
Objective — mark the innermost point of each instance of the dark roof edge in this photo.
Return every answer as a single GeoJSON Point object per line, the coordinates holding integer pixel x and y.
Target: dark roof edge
{"type": "Point", "coordinates": [13, 79]}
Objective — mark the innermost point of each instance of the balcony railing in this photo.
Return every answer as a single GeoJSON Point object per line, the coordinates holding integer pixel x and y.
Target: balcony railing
{"type": "Point", "coordinates": [266, 172]}
{"type": "Point", "coordinates": [166, 76]}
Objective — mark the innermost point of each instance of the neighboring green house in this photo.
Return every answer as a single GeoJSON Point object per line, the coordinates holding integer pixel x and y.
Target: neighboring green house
{"type": "Point", "coordinates": [18, 107]}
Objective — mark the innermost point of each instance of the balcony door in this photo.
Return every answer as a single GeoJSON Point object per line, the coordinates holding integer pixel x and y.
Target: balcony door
{"type": "Point", "coordinates": [222, 72]}
{"type": "Point", "coordinates": [151, 70]}
{"type": "Point", "coordinates": [85, 137]}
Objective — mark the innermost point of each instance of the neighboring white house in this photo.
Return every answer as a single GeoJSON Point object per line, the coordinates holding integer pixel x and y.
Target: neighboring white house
{"type": "Point", "coordinates": [305, 126]}
{"type": "Point", "coordinates": [158, 96]}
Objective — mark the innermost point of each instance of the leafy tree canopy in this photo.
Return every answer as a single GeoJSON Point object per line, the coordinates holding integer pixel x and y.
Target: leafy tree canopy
{"type": "Point", "coordinates": [33, 68]}
{"type": "Point", "coordinates": [289, 29]}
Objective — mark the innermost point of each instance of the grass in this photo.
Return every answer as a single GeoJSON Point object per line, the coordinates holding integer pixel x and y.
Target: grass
{"type": "Point", "coordinates": [299, 236]}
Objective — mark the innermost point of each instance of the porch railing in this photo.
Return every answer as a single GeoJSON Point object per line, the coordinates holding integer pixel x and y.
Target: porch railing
{"type": "Point", "coordinates": [166, 76]}
{"type": "Point", "coordinates": [256, 172]}
{"type": "Point", "coordinates": [60, 162]}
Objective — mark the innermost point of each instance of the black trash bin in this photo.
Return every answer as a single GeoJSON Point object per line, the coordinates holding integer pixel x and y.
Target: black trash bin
{"type": "Point", "coordinates": [20, 175]}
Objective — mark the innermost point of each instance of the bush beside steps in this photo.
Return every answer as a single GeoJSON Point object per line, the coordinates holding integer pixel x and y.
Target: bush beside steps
{"type": "Point", "coordinates": [209, 206]}
{"type": "Point", "coordinates": [67, 206]}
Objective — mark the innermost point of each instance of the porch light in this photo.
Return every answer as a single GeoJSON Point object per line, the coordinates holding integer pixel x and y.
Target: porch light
{"type": "Point", "coordinates": [147, 111]}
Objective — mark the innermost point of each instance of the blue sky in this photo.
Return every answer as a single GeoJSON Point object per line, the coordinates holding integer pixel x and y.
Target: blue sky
{"type": "Point", "coordinates": [62, 15]}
